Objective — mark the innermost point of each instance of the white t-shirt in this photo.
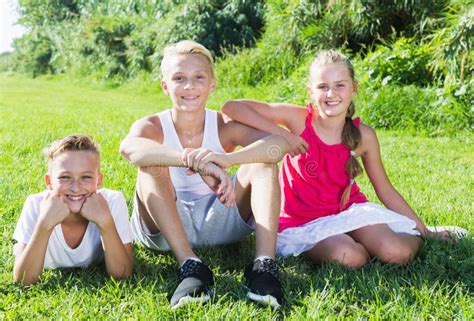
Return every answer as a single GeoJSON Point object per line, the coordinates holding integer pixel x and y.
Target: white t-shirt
{"type": "Point", "coordinates": [58, 253]}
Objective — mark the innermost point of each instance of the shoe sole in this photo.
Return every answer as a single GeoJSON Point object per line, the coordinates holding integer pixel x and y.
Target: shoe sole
{"type": "Point", "coordinates": [190, 299]}
{"type": "Point", "coordinates": [264, 299]}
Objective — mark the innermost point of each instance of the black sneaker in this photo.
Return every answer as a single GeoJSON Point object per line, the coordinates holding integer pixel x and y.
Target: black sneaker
{"type": "Point", "coordinates": [261, 277]}
{"type": "Point", "coordinates": [194, 282]}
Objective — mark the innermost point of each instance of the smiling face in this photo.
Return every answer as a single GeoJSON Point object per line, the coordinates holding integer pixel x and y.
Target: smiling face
{"type": "Point", "coordinates": [332, 88]}
{"type": "Point", "coordinates": [74, 175]}
{"type": "Point", "coordinates": [188, 80]}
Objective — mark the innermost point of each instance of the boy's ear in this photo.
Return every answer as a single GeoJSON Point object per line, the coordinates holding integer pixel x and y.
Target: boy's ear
{"type": "Point", "coordinates": [47, 181]}
{"type": "Point", "coordinates": [99, 180]}
{"type": "Point", "coordinates": [310, 91]}
{"type": "Point", "coordinates": [213, 84]}
{"type": "Point", "coordinates": [164, 86]}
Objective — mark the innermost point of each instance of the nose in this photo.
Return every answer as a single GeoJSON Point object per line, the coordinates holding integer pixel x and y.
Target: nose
{"type": "Point", "coordinates": [330, 92]}
{"type": "Point", "coordinates": [74, 187]}
{"type": "Point", "coordinates": [189, 85]}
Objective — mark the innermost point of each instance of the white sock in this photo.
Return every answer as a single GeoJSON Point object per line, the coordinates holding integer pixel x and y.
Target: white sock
{"type": "Point", "coordinates": [190, 258]}
{"type": "Point", "coordinates": [263, 257]}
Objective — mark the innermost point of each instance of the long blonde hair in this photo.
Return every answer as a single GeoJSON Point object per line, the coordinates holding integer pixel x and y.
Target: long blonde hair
{"type": "Point", "coordinates": [351, 136]}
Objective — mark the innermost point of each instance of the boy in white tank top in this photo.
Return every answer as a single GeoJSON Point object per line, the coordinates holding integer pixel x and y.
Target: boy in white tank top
{"type": "Point", "coordinates": [184, 197]}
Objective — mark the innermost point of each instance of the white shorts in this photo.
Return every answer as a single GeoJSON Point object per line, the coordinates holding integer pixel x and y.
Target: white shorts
{"type": "Point", "coordinates": [296, 240]}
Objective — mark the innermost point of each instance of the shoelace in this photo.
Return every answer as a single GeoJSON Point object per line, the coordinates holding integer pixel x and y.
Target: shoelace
{"type": "Point", "coordinates": [188, 268]}
{"type": "Point", "coordinates": [269, 266]}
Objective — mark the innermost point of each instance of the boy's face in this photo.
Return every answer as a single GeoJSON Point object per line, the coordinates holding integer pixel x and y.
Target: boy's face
{"type": "Point", "coordinates": [332, 88]}
{"type": "Point", "coordinates": [188, 81]}
{"type": "Point", "coordinates": [74, 175]}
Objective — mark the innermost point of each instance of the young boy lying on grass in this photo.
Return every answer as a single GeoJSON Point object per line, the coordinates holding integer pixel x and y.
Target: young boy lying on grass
{"type": "Point", "coordinates": [73, 223]}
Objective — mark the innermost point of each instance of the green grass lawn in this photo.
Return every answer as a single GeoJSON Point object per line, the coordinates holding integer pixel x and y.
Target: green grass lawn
{"type": "Point", "coordinates": [434, 174]}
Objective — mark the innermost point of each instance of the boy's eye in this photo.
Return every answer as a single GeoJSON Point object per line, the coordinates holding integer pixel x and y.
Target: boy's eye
{"type": "Point", "coordinates": [64, 177]}
{"type": "Point", "coordinates": [87, 177]}
{"type": "Point", "coordinates": [178, 78]}
{"type": "Point", "coordinates": [323, 87]}
{"type": "Point", "coordinates": [340, 85]}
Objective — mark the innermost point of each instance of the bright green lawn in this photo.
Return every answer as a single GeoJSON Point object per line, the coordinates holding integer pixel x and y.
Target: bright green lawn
{"type": "Point", "coordinates": [434, 174]}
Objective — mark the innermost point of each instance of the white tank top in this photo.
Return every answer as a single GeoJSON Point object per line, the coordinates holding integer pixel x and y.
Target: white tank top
{"type": "Point", "coordinates": [192, 185]}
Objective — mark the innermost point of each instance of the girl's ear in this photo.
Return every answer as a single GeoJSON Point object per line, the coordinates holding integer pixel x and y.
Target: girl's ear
{"type": "Point", "coordinates": [164, 86]}
{"type": "Point", "coordinates": [47, 181]}
{"type": "Point", "coordinates": [310, 90]}
{"type": "Point", "coordinates": [354, 92]}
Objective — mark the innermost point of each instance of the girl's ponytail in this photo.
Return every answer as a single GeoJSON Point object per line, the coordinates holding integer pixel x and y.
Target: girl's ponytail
{"type": "Point", "coordinates": [351, 138]}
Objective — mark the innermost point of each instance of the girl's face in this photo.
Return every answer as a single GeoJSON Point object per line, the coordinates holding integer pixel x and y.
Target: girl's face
{"type": "Point", "coordinates": [332, 88]}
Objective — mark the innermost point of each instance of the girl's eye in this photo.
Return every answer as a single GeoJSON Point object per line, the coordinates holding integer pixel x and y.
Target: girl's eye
{"type": "Point", "coordinates": [340, 85]}
{"type": "Point", "coordinates": [87, 177]}
{"type": "Point", "coordinates": [64, 177]}
{"type": "Point", "coordinates": [323, 87]}
{"type": "Point", "coordinates": [178, 78]}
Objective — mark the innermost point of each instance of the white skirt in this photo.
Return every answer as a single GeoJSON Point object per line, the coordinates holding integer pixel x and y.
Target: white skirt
{"type": "Point", "coordinates": [296, 240]}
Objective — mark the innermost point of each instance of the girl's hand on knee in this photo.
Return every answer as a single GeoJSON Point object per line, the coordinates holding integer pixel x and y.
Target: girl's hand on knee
{"type": "Point", "coordinates": [297, 144]}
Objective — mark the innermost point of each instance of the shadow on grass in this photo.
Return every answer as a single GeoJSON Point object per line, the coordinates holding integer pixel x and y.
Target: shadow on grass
{"type": "Point", "coordinates": [440, 265]}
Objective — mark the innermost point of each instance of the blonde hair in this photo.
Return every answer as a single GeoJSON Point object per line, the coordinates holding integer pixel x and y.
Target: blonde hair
{"type": "Point", "coordinates": [186, 47]}
{"type": "Point", "coordinates": [71, 143]}
{"type": "Point", "coordinates": [351, 136]}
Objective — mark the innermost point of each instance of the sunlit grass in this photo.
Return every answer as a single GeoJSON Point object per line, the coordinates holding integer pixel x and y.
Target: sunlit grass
{"type": "Point", "coordinates": [434, 174]}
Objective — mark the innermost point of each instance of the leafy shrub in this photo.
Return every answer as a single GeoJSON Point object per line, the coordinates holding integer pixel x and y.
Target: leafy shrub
{"type": "Point", "coordinates": [358, 24]}
{"type": "Point", "coordinates": [404, 62]}
{"type": "Point", "coordinates": [6, 61]}
{"type": "Point", "coordinates": [219, 24]}
{"type": "Point", "coordinates": [33, 53]}
{"type": "Point", "coordinates": [453, 58]}
{"type": "Point", "coordinates": [413, 108]}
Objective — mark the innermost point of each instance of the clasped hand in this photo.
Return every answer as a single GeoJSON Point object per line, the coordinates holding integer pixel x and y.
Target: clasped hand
{"type": "Point", "coordinates": [212, 168]}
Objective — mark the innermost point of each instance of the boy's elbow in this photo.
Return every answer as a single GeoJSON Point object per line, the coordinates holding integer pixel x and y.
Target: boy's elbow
{"type": "Point", "coordinates": [120, 275]}
{"type": "Point", "coordinates": [23, 279]}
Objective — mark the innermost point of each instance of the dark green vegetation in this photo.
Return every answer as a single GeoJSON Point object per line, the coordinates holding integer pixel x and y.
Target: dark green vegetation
{"type": "Point", "coordinates": [414, 64]}
{"type": "Point", "coordinates": [434, 175]}
{"type": "Point", "coordinates": [413, 59]}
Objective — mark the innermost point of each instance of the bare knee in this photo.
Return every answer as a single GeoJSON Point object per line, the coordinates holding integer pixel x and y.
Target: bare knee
{"type": "Point", "coordinates": [397, 252]}
{"type": "Point", "coordinates": [353, 256]}
{"type": "Point", "coordinates": [261, 171]}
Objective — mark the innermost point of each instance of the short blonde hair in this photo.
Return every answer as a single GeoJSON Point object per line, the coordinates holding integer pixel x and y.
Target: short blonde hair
{"type": "Point", "coordinates": [186, 47]}
{"type": "Point", "coordinates": [71, 143]}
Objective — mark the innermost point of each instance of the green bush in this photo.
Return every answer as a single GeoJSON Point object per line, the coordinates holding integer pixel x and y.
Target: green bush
{"type": "Point", "coordinates": [413, 108]}
{"type": "Point", "coordinates": [33, 53]}
{"type": "Point", "coordinates": [404, 62]}
{"type": "Point", "coordinates": [219, 24]}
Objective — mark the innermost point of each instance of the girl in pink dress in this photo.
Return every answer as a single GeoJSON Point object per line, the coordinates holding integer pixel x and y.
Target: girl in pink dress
{"type": "Point", "coordinates": [323, 212]}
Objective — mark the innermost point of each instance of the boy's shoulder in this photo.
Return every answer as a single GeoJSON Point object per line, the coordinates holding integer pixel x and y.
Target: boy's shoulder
{"type": "Point", "coordinates": [110, 194]}
{"type": "Point", "coordinates": [36, 197]}
{"type": "Point", "coordinates": [147, 127]}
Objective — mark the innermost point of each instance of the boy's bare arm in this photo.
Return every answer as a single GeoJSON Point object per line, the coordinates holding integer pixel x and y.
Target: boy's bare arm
{"type": "Point", "coordinates": [29, 258]}
{"type": "Point", "coordinates": [118, 256]}
{"type": "Point", "coordinates": [143, 146]}
{"type": "Point", "coordinates": [268, 116]}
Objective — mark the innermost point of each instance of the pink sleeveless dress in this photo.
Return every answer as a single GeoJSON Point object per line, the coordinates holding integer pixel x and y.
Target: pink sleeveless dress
{"type": "Point", "coordinates": [312, 183]}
